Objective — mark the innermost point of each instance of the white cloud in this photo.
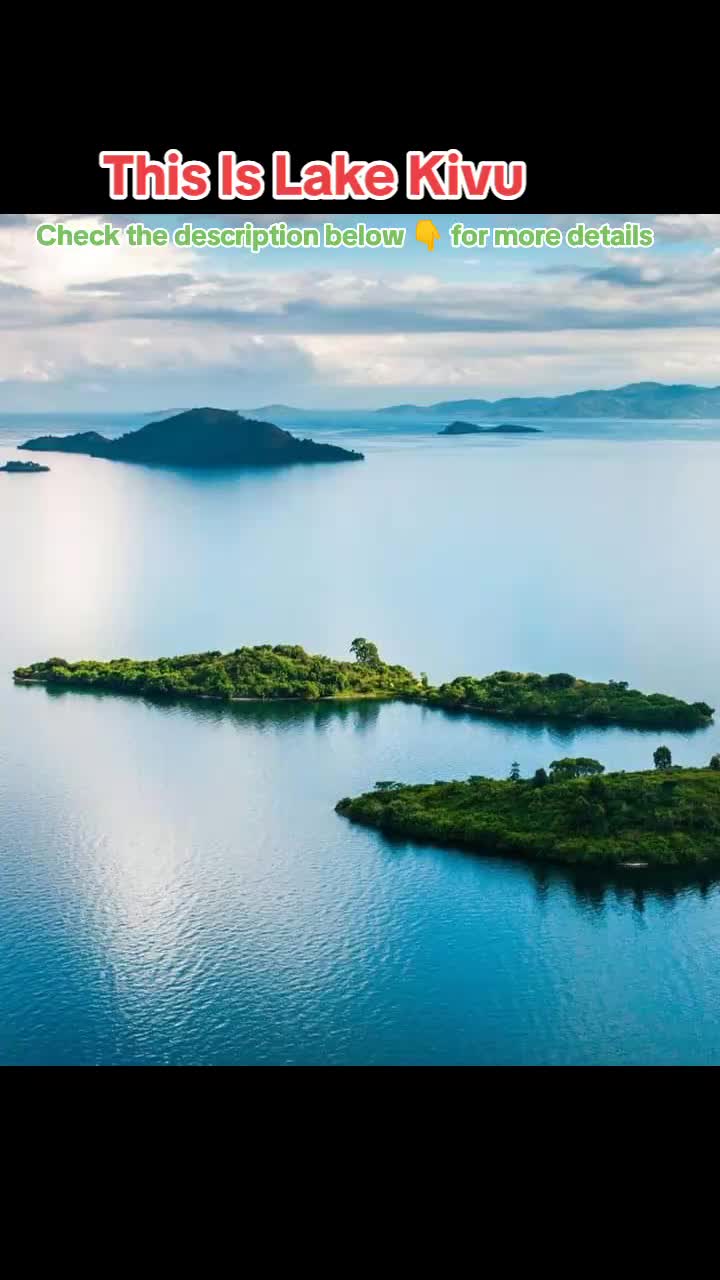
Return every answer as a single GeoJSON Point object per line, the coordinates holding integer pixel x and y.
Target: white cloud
{"type": "Point", "coordinates": [688, 226]}
{"type": "Point", "coordinates": [53, 269]}
{"type": "Point", "coordinates": [508, 364]}
{"type": "Point", "coordinates": [123, 317]}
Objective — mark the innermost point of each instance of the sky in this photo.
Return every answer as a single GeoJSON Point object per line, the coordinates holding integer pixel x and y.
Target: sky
{"type": "Point", "coordinates": [130, 329]}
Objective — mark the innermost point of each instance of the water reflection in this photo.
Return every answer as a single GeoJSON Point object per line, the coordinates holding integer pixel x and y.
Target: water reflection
{"type": "Point", "coordinates": [598, 887]}
{"type": "Point", "coordinates": [361, 714]}
{"type": "Point", "coordinates": [591, 888]}
{"type": "Point", "coordinates": [566, 732]}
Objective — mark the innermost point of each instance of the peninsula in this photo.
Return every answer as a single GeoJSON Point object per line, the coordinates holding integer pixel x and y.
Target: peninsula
{"type": "Point", "coordinates": [470, 429]}
{"type": "Point", "coordinates": [199, 438]}
{"type": "Point", "coordinates": [23, 468]}
{"type": "Point", "coordinates": [287, 671]}
{"type": "Point", "coordinates": [666, 816]}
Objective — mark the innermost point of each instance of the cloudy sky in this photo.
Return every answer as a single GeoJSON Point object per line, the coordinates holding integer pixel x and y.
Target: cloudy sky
{"type": "Point", "coordinates": [148, 328]}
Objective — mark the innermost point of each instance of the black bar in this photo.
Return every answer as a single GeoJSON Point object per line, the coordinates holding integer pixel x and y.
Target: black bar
{"type": "Point", "coordinates": [65, 175]}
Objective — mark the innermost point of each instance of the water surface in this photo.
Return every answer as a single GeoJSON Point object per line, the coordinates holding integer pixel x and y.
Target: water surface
{"type": "Point", "coordinates": [175, 886]}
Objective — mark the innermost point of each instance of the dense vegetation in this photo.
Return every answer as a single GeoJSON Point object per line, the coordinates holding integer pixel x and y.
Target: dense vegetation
{"type": "Point", "coordinates": [264, 671]}
{"type": "Point", "coordinates": [287, 671]}
{"type": "Point", "coordinates": [668, 816]}
{"type": "Point", "coordinates": [516, 696]}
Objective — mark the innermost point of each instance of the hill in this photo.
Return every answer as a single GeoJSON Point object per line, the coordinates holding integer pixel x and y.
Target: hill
{"type": "Point", "coordinates": [636, 400]}
{"type": "Point", "coordinates": [199, 438]}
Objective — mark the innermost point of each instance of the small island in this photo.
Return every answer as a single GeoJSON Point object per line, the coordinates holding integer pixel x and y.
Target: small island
{"type": "Point", "coordinates": [23, 468]}
{"type": "Point", "coordinates": [287, 671]}
{"type": "Point", "coordinates": [199, 438]}
{"type": "Point", "coordinates": [462, 429]}
{"type": "Point", "coordinates": [283, 671]}
{"type": "Point", "coordinates": [667, 816]}
{"type": "Point", "coordinates": [471, 429]}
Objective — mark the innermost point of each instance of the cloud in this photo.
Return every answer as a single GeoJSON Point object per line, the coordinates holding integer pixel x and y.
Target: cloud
{"type": "Point", "coordinates": [149, 286]}
{"type": "Point", "coordinates": [688, 226]}
{"type": "Point", "coordinates": [527, 364]}
{"type": "Point", "coordinates": [679, 277]}
{"type": "Point", "coordinates": [51, 270]}
{"type": "Point", "coordinates": [90, 321]}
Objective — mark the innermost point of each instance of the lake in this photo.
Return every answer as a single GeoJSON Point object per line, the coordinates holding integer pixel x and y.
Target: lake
{"type": "Point", "coordinates": [175, 886]}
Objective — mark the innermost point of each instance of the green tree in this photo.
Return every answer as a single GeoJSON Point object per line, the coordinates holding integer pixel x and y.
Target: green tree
{"type": "Point", "coordinates": [588, 768]}
{"type": "Point", "coordinates": [715, 762]}
{"type": "Point", "coordinates": [365, 652]}
{"type": "Point", "coordinates": [560, 680]}
{"type": "Point", "coordinates": [540, 779]}
{"type": "Point", "coordinates": [575, 767]}
{"type": "Point", "coordinates": [514, 771]}
{"type": "Point", "coordinates": [662, 758]}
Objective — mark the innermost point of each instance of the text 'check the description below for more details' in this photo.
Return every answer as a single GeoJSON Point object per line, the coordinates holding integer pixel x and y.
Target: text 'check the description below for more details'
{"type": "Point", "coordinates": [254, 238]}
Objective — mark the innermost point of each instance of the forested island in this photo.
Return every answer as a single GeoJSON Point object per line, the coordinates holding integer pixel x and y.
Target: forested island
{"type": "Point", "coordinates": [471, 429]}
{"type": "Point", "coordinates": [261, 672]}
{"type": "Point", "coordinates": [513, 695]}
{"type": "Point", "coordinates": [574, 813]}
{"type": "Point", "coordinates": [287, 671]}
{"type": "Point", "coordinates": [199, 438]}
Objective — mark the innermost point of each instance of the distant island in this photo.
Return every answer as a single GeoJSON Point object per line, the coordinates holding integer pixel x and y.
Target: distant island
{"type": "Point", "coordinates": [573, 814]}
{"type": "Point", "coordinates": [636, 400]}
{"type": "Point", "coordinates": [23, 468]}
{"type": "Point", "coordinates": [470, 429]}
{"type": "Point", "coordinates": [199, 438]}
{"type": "Point", "coordinates": [287, 671]}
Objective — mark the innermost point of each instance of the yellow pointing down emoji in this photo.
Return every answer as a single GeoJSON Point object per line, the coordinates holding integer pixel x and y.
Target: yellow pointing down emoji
{"type": "Point", "coordinates": [427, 233]}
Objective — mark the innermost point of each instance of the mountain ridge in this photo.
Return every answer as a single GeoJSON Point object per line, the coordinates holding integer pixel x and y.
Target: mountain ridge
{"type": "Point", "coordinates": [632, 400]}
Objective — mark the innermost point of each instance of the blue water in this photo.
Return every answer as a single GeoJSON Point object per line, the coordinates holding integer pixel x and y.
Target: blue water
{"type": "Point", "coordinates": [175, 886]}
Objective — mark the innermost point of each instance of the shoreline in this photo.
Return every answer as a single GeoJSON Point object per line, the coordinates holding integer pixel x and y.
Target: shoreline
{"type": "Point", "coordinates": [605, 867]}
{"type": "Point", "coordinates": [209, 697]}
{"type": "Point", "coordinates": [434, 704]}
